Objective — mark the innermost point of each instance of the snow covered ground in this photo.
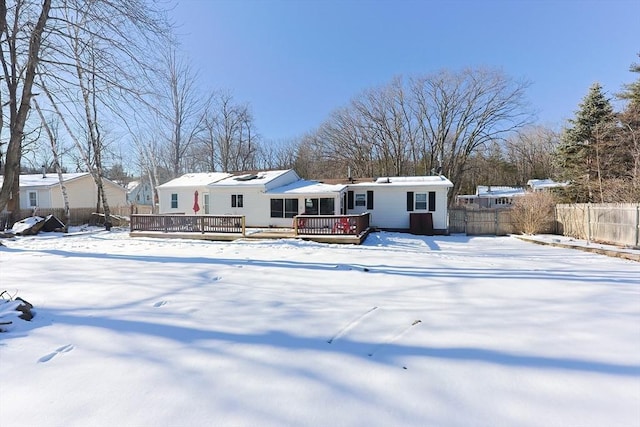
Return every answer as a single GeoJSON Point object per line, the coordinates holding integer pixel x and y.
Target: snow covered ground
{"type": "Point", "coordinates": [401, 331]}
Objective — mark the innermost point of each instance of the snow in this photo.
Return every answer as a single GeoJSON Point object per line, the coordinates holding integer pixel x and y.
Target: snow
{"type": "Point", "coordinates": [439, 331]}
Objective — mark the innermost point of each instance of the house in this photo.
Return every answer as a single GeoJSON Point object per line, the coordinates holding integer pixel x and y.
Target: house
{"type": "Point", "coordinates": [544, 184]}
{"type": "Point", "coordinates": [43, 191]}
{"type": "Point", "coordinates": [274, 198]}
{"type": "Point", "coordinates": [140, 192]}
{"type": "Point", "coordinates": [490, 197]}
{"type": "Point", "coordinates": [188, 194]}
{"type": "Point", "coordinates": [397, 203]}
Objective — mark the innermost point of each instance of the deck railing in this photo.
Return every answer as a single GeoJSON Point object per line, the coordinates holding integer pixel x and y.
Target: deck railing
{"type": "Point", "coordinates": [189, 223]}
{"type": "Point", "coordinates": [331, 224]}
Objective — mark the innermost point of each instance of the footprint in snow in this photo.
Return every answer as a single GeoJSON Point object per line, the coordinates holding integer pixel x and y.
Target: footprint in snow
{"type": "Point", "coordinates": [64, 349]}
{"type": "Point", "coordinates": [160, 304]}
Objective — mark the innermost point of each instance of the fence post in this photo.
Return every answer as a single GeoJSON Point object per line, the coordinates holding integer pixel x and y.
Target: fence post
{"type": "Point", "coordinates": [588, 223]}
{"type": "Point", "coordinates": [638, 225]}
{"type": "Point", "coordinates": [495, 220]}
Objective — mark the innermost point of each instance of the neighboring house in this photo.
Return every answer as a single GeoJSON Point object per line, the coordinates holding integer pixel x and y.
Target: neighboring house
{"type": "Point", "coordinates": [490, 197]}
{"type": "Point", "coordinates": [393, 201]}
{"type": "Point", "coordinates": [274, 198]}
{"type": "Point", "coordinates": [140, 192]}
{"type": "Point", "coordinates": [179, 196]}
{"type": "Point", "coordinates": [544, 184]}
{"type": "Point", "coordinates": [43, 191]}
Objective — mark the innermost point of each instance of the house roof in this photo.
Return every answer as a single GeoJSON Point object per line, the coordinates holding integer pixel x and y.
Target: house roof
{"type": "Point", "coordinates": [499, 191]}
{"type": "Point", "coordinates": [245, 179]}
{"type": "Point", "coordinates": [46, 180]}
{"type": "Point", "coordinates": [539, 184]}
{"type": "Point", "coordinates": [407, 181]}
{"type": "Point", "coordinates": [307, 187]}
{"type": "Point", "coordinates": [195, 180]}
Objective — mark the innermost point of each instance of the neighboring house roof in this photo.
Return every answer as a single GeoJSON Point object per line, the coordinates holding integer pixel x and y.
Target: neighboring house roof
{"type": "Point", "coordinates": [195, 180]}
{"type": "Point", "coordinates": [307, 187]}
{"type": "Point", "coordinates": [37, 180]}
{"type": "Point", "coordinates": [543, 184]}
{"type": "Point", "coordinates": [405, 181]}
{"type": "Point", "coordinates": [133, 185]}
{"type": "Point", "coordinates": [245, 179]}
{"type": "Point", "coordinates": [499, 191]}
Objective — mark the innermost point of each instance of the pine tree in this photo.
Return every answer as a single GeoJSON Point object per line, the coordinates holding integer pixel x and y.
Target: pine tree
{"type": "Point", "coordinates": [582, 145]}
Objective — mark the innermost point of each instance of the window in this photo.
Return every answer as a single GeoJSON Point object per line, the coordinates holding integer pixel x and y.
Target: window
{"type": "Point", "coordinates": [361, 199]}
{"type": "Point", "coordinates": [33, 199]}
{"type": "Point", "coordinates": [327, 206]}
{"type": "Point", "coordinates": [174, 201]}
{"type": "Point", "coordinates": [237, 201]}
{"type": "Point", "coordinates": [284, 208]}
{"type": "Point", "coordinates": [421, 201]}
{"type": "Point", "coordinates": [206, 204]}
{"type": "Point", "coordinates": [322, 206]}
{"type": "Point", "coordinates": [503, 201]}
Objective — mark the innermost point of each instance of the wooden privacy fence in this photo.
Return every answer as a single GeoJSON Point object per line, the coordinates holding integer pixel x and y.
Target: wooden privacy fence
{"type": "Point", "coordinates": [496, 222]}
{"type": "Point", "coordinates": [617, 223]}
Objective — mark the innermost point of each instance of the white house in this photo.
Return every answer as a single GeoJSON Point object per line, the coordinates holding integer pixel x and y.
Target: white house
{"type": "Point", "coordinates": [274, 198]}
{"type": "Point", "coordinates": [43, 191]}
{"type": "Point", "coordinates": [544, 184]}
{"type": "Point", "coordinates": [490, 196]}
{"type": "Point", "coordinates": [179, 196]}
{"type": "Point", "coordinates": [394, 202]}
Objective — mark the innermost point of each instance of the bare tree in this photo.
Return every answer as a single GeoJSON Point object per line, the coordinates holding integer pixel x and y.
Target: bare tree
{"type": "Point", "coordinates": [230, 141]}
{"type": "Point", "coordinates": [465, 111]}
{"type": "Point", "coordinates": [19, 72]}
{"type": "Point", "coordinates": [531, 152]}
{"type": "Point", "coordinates": [183, 118]}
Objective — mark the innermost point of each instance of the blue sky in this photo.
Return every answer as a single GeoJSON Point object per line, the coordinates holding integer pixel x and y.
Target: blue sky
{"type": "Point", "coordinates": [295, 62]}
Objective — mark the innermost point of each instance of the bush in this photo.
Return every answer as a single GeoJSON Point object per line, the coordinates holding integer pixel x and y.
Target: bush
{"type": "Point", "coordinates": [533, 213]}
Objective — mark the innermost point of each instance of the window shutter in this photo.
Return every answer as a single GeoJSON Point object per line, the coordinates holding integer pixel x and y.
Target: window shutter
{"type": "Point", "coordinates": [409, 200]}
{"type": "Point", "coordinates": [233, 200]}
{"type": "Point", "coordinates": [370, 199]}
{"type": "Point", "coordinates": [432, 201]}
{"type": "Point", "coordinates": [349, 199]}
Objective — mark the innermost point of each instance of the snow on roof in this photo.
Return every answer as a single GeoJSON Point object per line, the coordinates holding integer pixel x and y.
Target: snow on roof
{"type": "Point", "coordinates": [49, 179]}
{"type": "Point", "coordinates": [248, 179]}
{"type": "Point", "coordinates": [539, 184]}
{"type": "Point", "coordinates": [439, 181]}
{"type": "Point", "coordinates": [499, 191]}
{"type": "Point", "coordinates": [195, 179]}
{"type": "Point", "coordinates": [307, 187]}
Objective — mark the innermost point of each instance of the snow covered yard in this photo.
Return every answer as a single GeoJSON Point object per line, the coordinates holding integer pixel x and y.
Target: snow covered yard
{"type": "Point", "coordinates": [403, 330]}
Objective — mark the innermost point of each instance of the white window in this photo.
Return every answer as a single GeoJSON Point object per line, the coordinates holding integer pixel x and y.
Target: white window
{"type": "Point", "coordinates": [33, 199]}
{"type": "Point", "coordinates": [421, 201]}
{"type": "Point", "coordinates": [361, 199]}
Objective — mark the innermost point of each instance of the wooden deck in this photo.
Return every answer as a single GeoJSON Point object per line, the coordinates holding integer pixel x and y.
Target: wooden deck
{"type": "Point", "coordinates": [343, 229]}
{"type": "Point", "coordinates": [348, 239]}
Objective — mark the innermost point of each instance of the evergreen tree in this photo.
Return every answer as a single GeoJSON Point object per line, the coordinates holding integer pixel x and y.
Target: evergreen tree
{"type": "Point", "coordinates": [583, 145]}
{"type": "Point", "coordinates": [631, 91]}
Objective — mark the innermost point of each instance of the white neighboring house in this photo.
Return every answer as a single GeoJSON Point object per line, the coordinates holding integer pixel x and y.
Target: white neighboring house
{"type": "Point", "coordinates": [392, 201]}
{"type": "Point", "coordinates": [179, 195]}
{"type": "Point", "coordinates": [43, 191]}
{"type": "Point", "coordinates": [490, 196]}
{"type": "Point", "coordinates": [544, 184]}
